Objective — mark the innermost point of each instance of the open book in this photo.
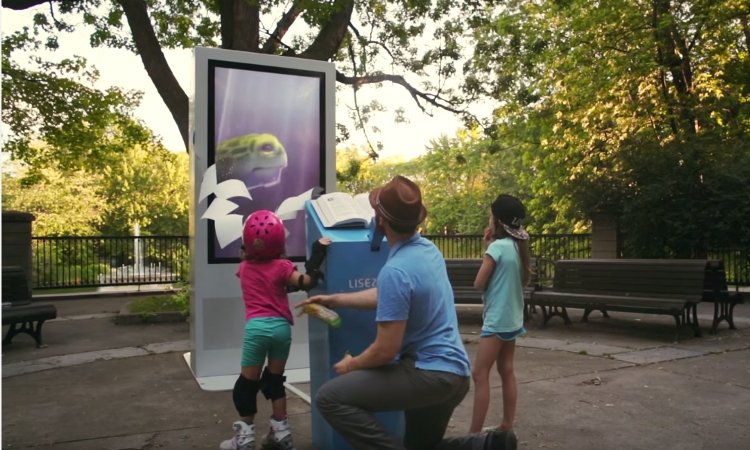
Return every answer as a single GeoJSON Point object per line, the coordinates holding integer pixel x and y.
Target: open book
{"type": "Point", "coordinates": [339, 209]}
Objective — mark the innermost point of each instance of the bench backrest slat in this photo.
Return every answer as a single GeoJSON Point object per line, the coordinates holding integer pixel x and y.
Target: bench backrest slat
{"type": "Point", "coordinates": [678, 279]}
{"type": "Point", "coordinates": [463, 272]}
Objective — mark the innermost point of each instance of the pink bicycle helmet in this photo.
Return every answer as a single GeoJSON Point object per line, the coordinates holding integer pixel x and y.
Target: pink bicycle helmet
{"type": "Point", "coordinates": [263, 235]}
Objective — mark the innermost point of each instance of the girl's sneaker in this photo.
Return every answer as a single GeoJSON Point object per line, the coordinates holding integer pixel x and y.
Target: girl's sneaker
{"type": "Point", "coordinates": [279, 437]}
{"type": "Point", "coordinates": [244, 438]}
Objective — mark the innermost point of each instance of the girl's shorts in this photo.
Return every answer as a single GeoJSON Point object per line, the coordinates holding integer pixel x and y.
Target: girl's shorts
{"type": "Point", "coordinates": [506, 336]}
{"type": "Point", "coordinates": [266, 337]}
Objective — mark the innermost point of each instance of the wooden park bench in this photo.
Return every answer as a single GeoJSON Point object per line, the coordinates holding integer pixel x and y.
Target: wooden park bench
{"type": "Point", "coordinates": [18, 311]}
{"type": "Point", "coordinates": [716, 291]}
{"type": "Point", "coordinates": [668, 287]}
{"type": "Point", "coordinates": [463, 272]}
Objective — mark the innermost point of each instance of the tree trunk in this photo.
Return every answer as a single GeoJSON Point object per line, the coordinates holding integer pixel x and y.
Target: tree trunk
{"type": "Point", "coordinates": [673, 56]}
{"type": "Point", "coordinates": [245, 26]}
{"type": "Point", "coordinates": [156, 64]}
{"type": "Point", "coordinates": [226, 9]}
{"type": "Point", "coordinates": [332, 33]}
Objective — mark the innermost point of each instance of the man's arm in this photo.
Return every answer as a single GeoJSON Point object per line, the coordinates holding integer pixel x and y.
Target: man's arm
{"type": "Point", "coordinates": [364, 300]}
{"type": "Point", "coordinates": [385, 348]}
{"type": "Point", "coordinates": [367, 299]}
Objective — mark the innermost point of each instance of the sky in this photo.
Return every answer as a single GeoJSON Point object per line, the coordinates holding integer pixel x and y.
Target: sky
{"type": "Point", "coordinates": [124, 69]}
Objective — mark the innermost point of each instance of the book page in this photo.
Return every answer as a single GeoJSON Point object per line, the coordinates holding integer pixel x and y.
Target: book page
{"type": "Point", "coordinates": [363, 206]}
{"type": "Point", "coordinates": [339, 209]}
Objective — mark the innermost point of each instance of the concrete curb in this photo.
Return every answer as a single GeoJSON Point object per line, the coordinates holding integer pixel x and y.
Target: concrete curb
{"type": "Point", "coordinates": [104, 294]}
{"type": "Point", "coordinates": [75, 359]}
{"type": "Point", "coordinates": [125, 317]}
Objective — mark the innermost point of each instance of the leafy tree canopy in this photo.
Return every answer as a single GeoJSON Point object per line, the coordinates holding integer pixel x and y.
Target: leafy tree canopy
{"type": "Point", "coordinates": [63, 203]}
{"type": "Point", "coordinates": [357, 173]}
{"type": "Point", "coordinates": [54, 103]}
{"type": "Point", "coordinates": [415, 44]}
{"type": "Point", "coordinates": [459, 176]}
{"type": "Point", "coordinates": [146, 187]}
{"type": "Point", "coordinates": [638, 109]}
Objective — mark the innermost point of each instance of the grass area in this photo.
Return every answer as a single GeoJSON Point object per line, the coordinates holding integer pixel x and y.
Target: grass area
{"type": "Point", "coordinates": [74, 290]}
{"type": "Point", "coordinates": [175, 302]}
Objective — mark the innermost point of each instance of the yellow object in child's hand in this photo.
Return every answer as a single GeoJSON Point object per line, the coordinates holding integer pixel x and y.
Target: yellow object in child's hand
{"type": "Point", "coordinates": [321, 312]}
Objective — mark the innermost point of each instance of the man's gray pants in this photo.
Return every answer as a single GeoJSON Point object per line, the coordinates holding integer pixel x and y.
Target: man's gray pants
{"type": "Point", "coordinates": [426, 397]}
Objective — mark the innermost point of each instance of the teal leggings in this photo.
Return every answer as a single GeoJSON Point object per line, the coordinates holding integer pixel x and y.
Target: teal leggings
{"type": "Point", "coordinates": [266, 337]}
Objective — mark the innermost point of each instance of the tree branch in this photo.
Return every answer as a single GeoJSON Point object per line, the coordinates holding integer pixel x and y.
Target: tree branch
{"type": "Point", "coordinates": [331, 34]}
{"type": "Point", "coordinates": [367, 41]}
{"type": "Point", "coordinates": [156, 64]}
{"type": "Point", "coordinates": [19, 5]}
{"type": "Point", "coordinates": [280, 43]}
{"type": "Point", "coordinates": [416, 94]}
{"type": "Point", "coordinates": [372, 153]}
{"type": "Point", "coordinates": [275, 39]}
{"type": "Point", "coordinates": [746, 32]}
{"type": "Point", "coordinates": [697, 34]}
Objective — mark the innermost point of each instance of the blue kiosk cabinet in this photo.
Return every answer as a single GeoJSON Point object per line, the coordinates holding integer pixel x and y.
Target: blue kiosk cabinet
{"type": "Point", "coordinates": [352, 264]}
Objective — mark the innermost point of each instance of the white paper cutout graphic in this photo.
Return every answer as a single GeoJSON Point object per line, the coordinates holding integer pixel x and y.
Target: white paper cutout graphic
{"type": "Point", "coordinates": [208, 184]}
{"type": "Point", "coordinates": [226, 190]}
{"type": "Point", "coordinates": [289, 208]}
{"type": "Point", "coordinates": [232, 188]}
{"type": "Point", "coordinates": [219, 208]}
{"type": "Point", "coordinates": [228, 229]}
{"type": "Point", "coordinates": [228, 226]}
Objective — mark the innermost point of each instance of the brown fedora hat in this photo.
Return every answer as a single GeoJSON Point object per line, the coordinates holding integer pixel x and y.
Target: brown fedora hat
{"type": "Point", "coordinates": [400, 202]}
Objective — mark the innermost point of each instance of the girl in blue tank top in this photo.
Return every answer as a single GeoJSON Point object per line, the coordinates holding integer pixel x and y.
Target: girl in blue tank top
{"type": "Point", "coordinates": [505, 270]}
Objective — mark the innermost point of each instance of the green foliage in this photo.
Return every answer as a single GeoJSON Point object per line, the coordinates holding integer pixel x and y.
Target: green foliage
{"type": "Point", "coordinates": [692, 216]}
{"type": "Point", "coordinates": [634, 109]}
{"type": "Point", "coordinates": [63, 203]}
{"type": "Point", "coordinates": [357, 173]}
{"type": "Point", "coordinates": [459, 178]}
{"type": "Point", "coordinates": [460, 247]}
{"type": "Point", "coordinates": [150, 188]}
{"type": "Point", "coordinates": [420, 40]}
{"type": "Point", "coordinates": [179, 302]}
{"type": "Point", "coordinates": [55, 103]}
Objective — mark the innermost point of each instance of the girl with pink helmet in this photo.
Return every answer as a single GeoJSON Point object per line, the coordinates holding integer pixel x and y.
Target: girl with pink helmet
{"type": "Point", "coordinates": [266, 276]}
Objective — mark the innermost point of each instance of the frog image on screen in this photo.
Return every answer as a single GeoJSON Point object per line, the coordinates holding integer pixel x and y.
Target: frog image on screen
{"type": "Point", "coordinates": [255, 159]}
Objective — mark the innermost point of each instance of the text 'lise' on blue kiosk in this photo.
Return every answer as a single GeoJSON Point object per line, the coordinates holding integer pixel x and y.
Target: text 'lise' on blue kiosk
{"type": "Point", "coordinates": [353, 260]}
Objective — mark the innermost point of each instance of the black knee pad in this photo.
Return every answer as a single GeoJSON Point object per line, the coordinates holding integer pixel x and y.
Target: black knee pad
{"type": "Point", "coordinates": [272, 385]}
{"type": "Point", "coordinates": [245, 395]}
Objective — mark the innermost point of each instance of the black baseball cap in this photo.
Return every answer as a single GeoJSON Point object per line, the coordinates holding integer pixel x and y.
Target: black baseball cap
{"type": "Point", "coordinates": [510, 212]}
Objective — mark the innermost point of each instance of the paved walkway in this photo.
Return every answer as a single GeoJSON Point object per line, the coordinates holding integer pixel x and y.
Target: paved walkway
{"type": "Point", "coordinates": [615, 383]}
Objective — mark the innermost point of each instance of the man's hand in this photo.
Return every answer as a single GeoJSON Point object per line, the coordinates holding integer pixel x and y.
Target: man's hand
{"type": "Point", "coordinates": [342, 367]}
{"type": "Point", "coordinates": [329, 301]}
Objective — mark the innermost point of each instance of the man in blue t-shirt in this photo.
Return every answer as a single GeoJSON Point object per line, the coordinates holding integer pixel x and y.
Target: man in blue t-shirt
{"type": "Point", "coordinates": [418, 363]}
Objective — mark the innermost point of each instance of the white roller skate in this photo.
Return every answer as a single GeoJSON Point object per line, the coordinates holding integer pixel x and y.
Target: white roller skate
{"type": "Point", "coordinates": [280, 436]}
{"type": "Point", "coordinates": [244, 438]}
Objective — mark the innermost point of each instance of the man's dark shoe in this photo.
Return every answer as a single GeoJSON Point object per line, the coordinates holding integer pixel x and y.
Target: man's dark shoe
{"type": "Point", "coordinates": [501, 440]}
